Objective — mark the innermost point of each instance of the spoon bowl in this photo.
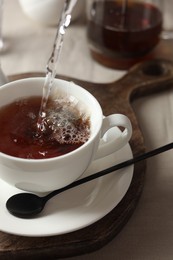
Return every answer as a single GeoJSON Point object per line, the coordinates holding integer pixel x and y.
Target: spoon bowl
{"type": "Point", "coordinates": [25, 205]}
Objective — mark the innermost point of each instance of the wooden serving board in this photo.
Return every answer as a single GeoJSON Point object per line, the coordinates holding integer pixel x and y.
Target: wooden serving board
{"type": "Point", "coordinates": [115, 97]}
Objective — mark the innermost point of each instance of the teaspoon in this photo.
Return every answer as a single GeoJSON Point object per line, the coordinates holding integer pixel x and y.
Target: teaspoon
{"type": "Point", "coordinates": [27, 205]}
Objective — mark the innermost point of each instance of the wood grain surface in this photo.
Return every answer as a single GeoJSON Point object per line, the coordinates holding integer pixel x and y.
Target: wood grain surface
{"type": "Point", "coordinates": [115, 97]}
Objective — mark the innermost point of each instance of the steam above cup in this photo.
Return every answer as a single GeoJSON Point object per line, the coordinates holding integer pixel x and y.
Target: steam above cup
{"type": "Point", "coordinates": [43, 175]}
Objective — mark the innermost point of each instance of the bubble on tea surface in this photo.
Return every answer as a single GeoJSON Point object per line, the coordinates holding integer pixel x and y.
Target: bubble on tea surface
{"type": "Point", "coordinates": [69, 124]}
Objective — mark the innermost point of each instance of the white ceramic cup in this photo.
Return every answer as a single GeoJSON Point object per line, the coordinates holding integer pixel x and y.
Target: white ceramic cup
{"type": "Point", "coordinates": [43, 175]}
{"type": "Point", "coordinates": [48, 12]}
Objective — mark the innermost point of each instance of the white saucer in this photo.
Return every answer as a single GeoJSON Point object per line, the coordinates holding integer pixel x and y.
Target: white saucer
{"type": "Point", "coordinates": [76, 208]}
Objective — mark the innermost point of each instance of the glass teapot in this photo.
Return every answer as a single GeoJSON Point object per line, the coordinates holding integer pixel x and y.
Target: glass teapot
{"type": "Point", "coordinates": [122, 32]}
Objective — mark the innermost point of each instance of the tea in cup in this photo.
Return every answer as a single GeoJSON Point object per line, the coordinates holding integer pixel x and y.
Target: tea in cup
{"type": "Point", "coordinates": [69, 140]}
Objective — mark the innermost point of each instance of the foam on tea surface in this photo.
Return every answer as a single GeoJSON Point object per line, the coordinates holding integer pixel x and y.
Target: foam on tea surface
{"type": "Point", "coordinates": [67, 122]}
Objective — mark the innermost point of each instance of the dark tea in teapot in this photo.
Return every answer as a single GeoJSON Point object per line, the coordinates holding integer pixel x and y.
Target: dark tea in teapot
{"type": "Point", "coordinates": [122, 30]}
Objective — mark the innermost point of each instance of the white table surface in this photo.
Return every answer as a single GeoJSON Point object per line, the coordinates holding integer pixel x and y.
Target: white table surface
{"type": "Point", "coordinates": [148, 235]}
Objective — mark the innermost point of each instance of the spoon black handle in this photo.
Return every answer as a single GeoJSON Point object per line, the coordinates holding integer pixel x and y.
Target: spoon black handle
{"type": "Point", "coordinates": [111, 169]}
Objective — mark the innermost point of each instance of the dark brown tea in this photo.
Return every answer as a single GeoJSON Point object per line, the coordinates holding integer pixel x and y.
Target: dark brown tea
{"type": "Point", "coordinates": [114, 34]}
{"type": "Point", "coordinates": [65, 129]}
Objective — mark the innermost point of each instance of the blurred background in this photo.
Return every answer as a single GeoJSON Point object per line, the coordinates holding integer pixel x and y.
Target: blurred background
{"type": "Point", "coordinates": [28, 41]}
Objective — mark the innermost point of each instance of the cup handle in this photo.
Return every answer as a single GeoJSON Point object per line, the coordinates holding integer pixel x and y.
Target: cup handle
{"type": "Point", "coordinates": [115, 144]}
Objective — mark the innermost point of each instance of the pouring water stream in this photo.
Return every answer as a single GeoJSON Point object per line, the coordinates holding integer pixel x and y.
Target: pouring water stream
{"type": "Point", "coordinates": [53, 60]}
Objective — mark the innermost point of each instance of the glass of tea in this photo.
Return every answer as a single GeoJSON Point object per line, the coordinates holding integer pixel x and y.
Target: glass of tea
{"type": "Point", "coordinates": [122, 32]}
